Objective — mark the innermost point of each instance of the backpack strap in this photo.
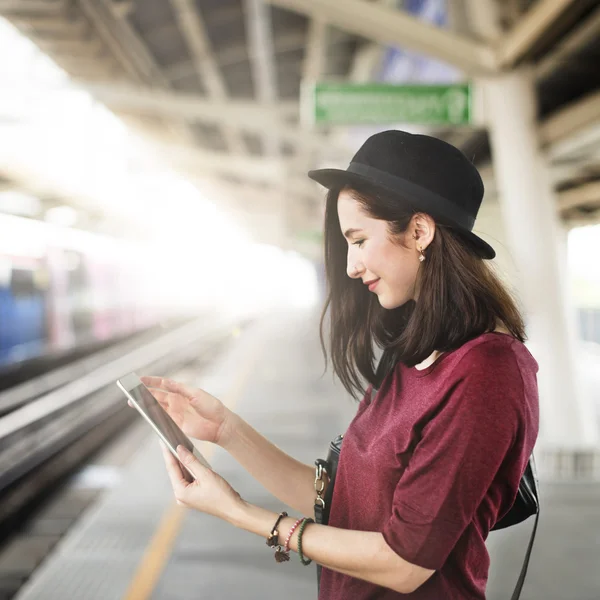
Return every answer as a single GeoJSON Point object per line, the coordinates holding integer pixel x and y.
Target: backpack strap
{"type": "Point", "coordinates": [517, 591]}
{"type": "Point", "coordinates": [521, 580]}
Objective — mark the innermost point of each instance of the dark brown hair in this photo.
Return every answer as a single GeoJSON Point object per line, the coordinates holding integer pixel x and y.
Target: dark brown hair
{"type": "Point", "coordinates": [460, 297]}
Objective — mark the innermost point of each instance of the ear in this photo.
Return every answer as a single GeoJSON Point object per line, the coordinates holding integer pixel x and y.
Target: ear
{"type": "Point", "coordinates": [422, 226]}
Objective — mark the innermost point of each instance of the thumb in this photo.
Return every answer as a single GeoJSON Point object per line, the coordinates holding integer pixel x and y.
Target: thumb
{"type": "Point", "coordinates": [190, 461]}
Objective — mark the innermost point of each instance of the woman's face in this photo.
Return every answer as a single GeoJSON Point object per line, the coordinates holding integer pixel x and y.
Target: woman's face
{"type": "Point", "coordinates": [373, 256]}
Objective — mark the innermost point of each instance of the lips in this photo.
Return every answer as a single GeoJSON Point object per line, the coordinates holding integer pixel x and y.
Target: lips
{"type": "Point", "coordinates": [372, 284]}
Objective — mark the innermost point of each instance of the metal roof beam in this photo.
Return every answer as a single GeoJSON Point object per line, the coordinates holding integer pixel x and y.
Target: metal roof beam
{"type": "Point", "coordinates": [34, 7]}
{"type": "Point", "coordinates": [560, 173]}
{"type": "Point", "coordinates": [312, 70]}
{"type": "Point", "coordinates": [260, 39]}
{"type": "Point", "coordinates": [134, 44]}
{"type": "Point", "coordinates": [195, 35]}
{"type": "Point", "coordinates": [584, 34]}
{"type": "Point", "coordinates": [238, 54]}
{"type": "Point", "coordinates": [246, 196]}
{"type": "Point", "coordinates": [574, 127]}
{"type": "Point", "coordinates": [191, 107]}
{"type": "Point", "coordinates": [261, 50]}
{"type": "Point", "coordinates": [531, 27]}
{"type": "Point", "coordinates": [97, 15]}
{"type": "Point", "coordinates": [258, 169]}
{"type": "Point", "coordinates": [389, 26]}
{"type": "Point", "coordinates": [315, 50]}
{"type": "Point", "coordinates": [250, 116]}
{"type": "Point", "coordinates": [72, 47]}
{"type": "Point", "coordinates": [55, 25]}
{"type": "Point", "coordinates": [368, 57]}
{"type": "Point", "coordinates": [568, 135]}
{"type": "Point", "coordinates": [578, 218]}
{"type": "Point", "coordinates": [365, 60]}
{"type": "Point", "coordinates": [586, 195]}
{"type": "Point", "coordinates": [194, 32]}
{"type": "Point", "coordinates": [131, 49]}
{"type": "Point", "coordinates": [482, 18]}
{"type": "Point", "coordinates": [89, 66]}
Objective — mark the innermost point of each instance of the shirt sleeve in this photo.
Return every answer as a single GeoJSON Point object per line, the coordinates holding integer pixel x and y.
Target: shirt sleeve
{"type": "Point", "coordinates": [460, 451]}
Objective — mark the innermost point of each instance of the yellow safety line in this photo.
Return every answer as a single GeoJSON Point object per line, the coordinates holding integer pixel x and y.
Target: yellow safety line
{"type": "Point", "coordinates": [161, 545]}
{"type": "Point", "coordinates": [156, 555]}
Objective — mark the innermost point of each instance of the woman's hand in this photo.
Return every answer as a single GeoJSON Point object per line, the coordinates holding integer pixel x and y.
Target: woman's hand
{"type": "Point", "coordinates": [199, 414]}
{"type": "Point", "coordinates": [209, 493]}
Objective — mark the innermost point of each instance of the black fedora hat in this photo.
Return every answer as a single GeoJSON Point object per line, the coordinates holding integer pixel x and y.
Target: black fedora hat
{"type": "Point", "coordinates": [431, 175]}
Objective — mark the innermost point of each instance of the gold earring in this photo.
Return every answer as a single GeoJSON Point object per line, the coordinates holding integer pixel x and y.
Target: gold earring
{"type": "Point", "coordinates": [421, 255]}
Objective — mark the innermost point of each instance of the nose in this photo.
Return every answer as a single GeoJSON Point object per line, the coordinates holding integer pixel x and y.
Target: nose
{"type": "Point", "coordinates": [354, 269]}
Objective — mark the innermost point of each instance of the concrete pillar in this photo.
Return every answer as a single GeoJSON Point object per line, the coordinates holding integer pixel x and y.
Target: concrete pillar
{"type": "Point", "coordinates": [490, 227]}
{"type": "Point", "coordinates": [568, 421]}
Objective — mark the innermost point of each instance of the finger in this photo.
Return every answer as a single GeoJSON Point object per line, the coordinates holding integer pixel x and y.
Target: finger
{"type": "Point", "coordinates": [173, 470]}
{"type": "Point", "coordinates": [168, 384]}
{"type": "Point", "coordinates": [150, 381]}
{"type": "Point", "coordinates": [196, 468]}
{"type": "Point", "coordinates": [160, 395]}
{"type": "Point", "coordinates": [170, 403]}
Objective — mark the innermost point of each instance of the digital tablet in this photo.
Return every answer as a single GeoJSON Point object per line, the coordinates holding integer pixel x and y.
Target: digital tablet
{"type": "Point", "coordinates": [164, 426]}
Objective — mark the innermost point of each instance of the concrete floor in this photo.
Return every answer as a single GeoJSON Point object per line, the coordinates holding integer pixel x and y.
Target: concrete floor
{"type": "Point", "coordinates": [287, 400]}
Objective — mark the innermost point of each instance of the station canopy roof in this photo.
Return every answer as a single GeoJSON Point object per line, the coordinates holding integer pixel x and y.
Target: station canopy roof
{"type": "Point", "coordinates": [215, 86]}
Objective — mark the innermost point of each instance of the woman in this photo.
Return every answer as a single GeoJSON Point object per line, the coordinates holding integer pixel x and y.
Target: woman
{"type": "Point", "coordinates": [444, 430]}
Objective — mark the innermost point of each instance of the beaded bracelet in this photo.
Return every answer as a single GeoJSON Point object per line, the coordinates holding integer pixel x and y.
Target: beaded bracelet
{"type": "Point", "coordinates": [286, 547]}
{"type": "Point", "coordinates": [304, 561]}
{"type": "Point", "coordinates": [273, 541]}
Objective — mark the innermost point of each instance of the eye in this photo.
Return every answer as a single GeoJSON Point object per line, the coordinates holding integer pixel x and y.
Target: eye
{"type": "Point", "coordinates": [358, 243]}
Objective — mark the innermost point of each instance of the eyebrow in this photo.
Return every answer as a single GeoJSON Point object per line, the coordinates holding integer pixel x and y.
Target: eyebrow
{"type": "Point", "coordinates": [350, 231]}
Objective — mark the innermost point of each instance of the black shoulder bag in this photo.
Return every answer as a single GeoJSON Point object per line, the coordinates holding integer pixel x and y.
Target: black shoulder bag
{"type": "Point", "coordinates": [525, 505]}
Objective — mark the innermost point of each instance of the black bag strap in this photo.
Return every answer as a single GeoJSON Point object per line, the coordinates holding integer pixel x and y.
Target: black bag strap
{"type": "Point", "coordinates": [521, 580]}
{"type": "Point", "coordinates": [535, 491]}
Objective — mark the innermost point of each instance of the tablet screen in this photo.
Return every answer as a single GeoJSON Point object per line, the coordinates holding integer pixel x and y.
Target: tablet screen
{"type": "Point", "coordinates": [143, 400]}
{"type": "Point", "coordinates": [155, 412]}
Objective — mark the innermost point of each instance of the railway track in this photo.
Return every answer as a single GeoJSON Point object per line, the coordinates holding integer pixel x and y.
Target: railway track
{"type": "Point", "coordinates": [44, 438]}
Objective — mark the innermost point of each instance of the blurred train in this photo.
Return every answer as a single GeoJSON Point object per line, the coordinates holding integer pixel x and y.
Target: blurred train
{"type": "Point", "coordinates": [61, 289]}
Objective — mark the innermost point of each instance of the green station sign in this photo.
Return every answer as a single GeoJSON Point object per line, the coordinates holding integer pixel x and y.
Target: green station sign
{"type": "Point", "coordinates": [379, 103]}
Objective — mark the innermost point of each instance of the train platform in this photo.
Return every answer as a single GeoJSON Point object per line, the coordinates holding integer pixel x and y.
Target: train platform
{"type": "Point", "coordinates": [135, 543]}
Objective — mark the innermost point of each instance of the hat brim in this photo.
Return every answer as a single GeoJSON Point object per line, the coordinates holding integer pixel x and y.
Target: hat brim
{"type": "Point", "coordinates": [338, 178]}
